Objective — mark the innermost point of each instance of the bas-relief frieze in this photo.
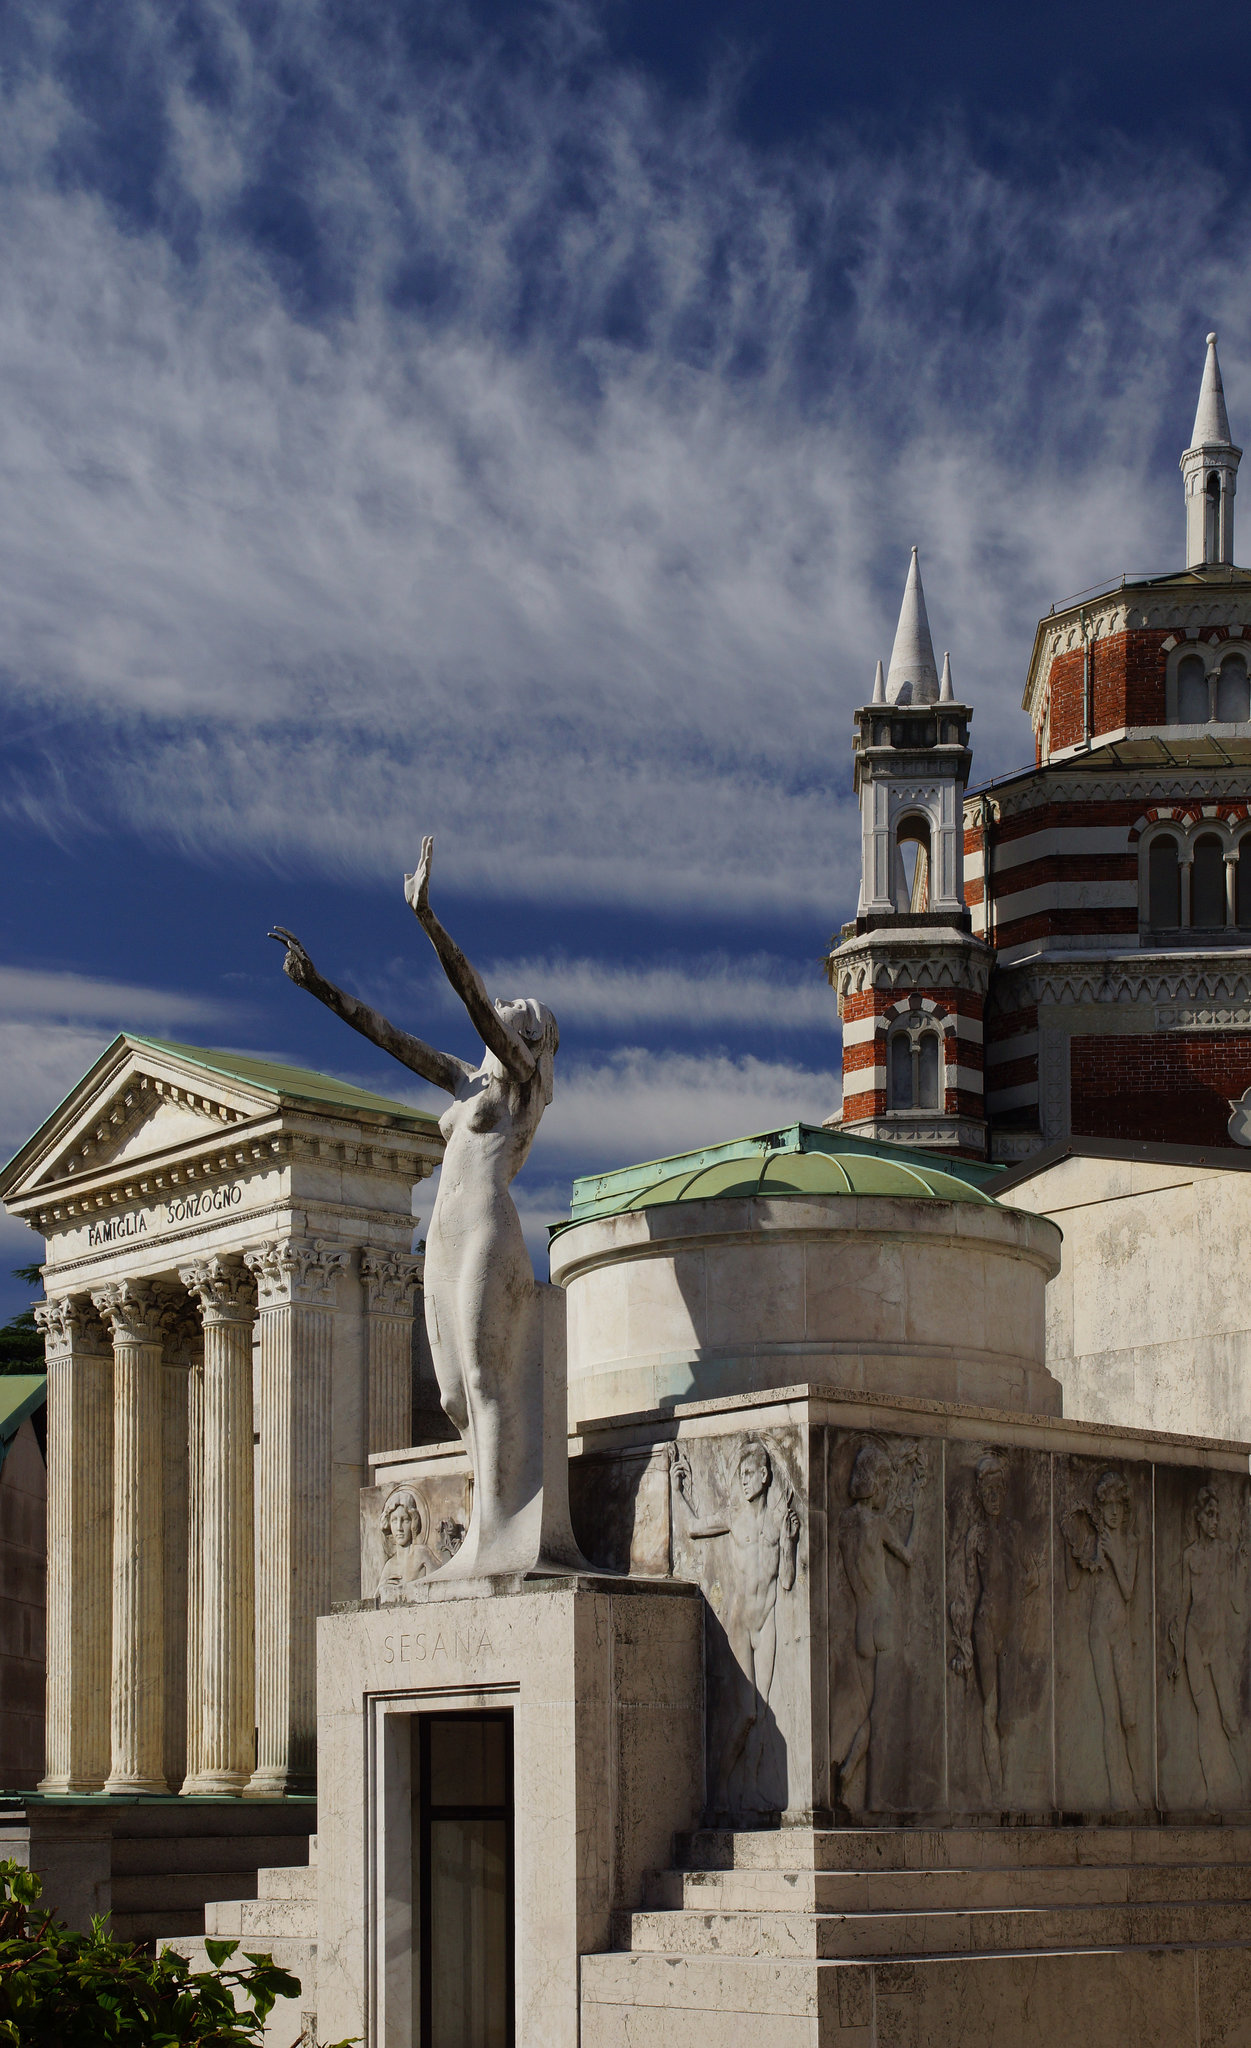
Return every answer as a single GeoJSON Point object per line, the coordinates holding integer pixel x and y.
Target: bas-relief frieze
{"type": "Point", "coordinates": [736, 1531]}
{"type": "Point", "coordinates": [1203, 1603]}
{"type": "Point", "coordinates": [999, 1630]}
{"type": "Point", "coordinates": [885, 1581]}
{"type": "Point", "coordinates": [408, 1530]}
{"type": "Point", "coordinates": [1104, 1661]}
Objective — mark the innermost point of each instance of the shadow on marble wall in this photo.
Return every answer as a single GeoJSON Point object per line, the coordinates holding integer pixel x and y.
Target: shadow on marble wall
{"type": "Point", "coordinates": [919, 1626]}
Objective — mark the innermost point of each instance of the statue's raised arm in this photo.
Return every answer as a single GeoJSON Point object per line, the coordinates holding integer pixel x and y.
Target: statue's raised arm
{"type": "Point", "coordinates": [490, 1020]}
{"type": "Point", "coordinates": [482, 1306]}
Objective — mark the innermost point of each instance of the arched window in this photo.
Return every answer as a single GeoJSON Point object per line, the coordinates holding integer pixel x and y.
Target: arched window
{"type": "Point", "coordinates": [1233, 698]}
{"type": "Point", "coordinates": [912, 865]}
{"type": "Point", "coordinates": [899, 1073]}
{"type": "Point", "coordinates": [914, 1069]}
{"type": "Point", "coordinates": [1163, 886]}
{"type": "Point", "coordinates": [1212, 521]}
{"type": "Point", "coordinates": [1207, 884]}
{"type": "Point", "coordinates": [930, 1063]}
{"type": "Point", "coordinates": [1242, 886]}
{"type": "Point", "coordinates": [1193, 706]}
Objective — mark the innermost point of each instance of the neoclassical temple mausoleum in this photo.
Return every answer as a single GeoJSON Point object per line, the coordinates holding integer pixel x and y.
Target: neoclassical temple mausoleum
{"type": "Point", "coordinates": [199, 1211]}
{"type": "Point", "coordinates": [862, 1652]}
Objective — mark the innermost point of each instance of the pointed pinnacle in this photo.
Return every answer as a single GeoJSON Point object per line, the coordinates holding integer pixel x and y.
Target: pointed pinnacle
{"type": "Point", "coordinates": [913, 675]}
{"type": "Point", "coordinates": [946, 694]}
{"type": "Point", "coordinates": [879, 685]}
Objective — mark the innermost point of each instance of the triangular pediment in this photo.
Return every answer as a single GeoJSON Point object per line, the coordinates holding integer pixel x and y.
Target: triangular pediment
{"type": "Point", "coordinates": [133, 1106]}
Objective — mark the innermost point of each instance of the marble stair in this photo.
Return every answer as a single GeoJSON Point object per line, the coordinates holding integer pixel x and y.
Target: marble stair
{"type": "Point", "coordinates": [279, 1920]}
{"type": "Point", "coordinates": [924, 1938]}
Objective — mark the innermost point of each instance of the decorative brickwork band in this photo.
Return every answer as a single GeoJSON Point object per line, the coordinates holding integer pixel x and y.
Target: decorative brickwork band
{"type": "Point", "coordinates": [80, 1544]}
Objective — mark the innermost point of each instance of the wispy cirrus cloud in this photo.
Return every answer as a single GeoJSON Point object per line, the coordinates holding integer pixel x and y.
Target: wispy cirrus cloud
{"type": "Point", "coordinates": [441, 438]}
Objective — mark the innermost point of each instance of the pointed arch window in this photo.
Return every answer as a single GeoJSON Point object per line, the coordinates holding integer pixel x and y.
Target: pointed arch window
{"type": "Point", "coordinates": [912, 865]}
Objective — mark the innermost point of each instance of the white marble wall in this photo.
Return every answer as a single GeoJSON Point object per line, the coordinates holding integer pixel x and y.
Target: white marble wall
{"type": "Point", "coordinates": [603, 1685]}
{"type": "Point", "coordinates": [1149, 1319]}
{"type": "Point", "coordinates": [699, 1300]}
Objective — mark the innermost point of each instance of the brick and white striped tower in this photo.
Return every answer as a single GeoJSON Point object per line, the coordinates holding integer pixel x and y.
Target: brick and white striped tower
{"type": "Point", "coordinates": [910, 976]}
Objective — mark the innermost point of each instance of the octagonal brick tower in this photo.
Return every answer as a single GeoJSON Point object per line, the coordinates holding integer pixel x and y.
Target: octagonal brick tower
{"type": "Point", "coordinates": [911, 977]}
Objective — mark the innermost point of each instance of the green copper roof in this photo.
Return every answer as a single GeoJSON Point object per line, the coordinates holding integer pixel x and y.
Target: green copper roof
{"type": "Point", "coordinates": [21, 1393]}
{"type": "Point", "coordinates": [802, 1159]}
{"type": "Point", "coordinates": [298, 1082]}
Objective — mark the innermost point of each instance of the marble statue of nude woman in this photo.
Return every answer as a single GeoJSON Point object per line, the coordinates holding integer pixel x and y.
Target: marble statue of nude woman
{"type": "Point", "coordinates": [483, 1313]}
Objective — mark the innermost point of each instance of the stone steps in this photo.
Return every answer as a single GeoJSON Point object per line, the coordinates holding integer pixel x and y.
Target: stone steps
{"type": "Point", "coordinates": [907, 1891]}
{"type": "Point", "coordinates": [956, 1938]}
{"type": "Point", "coordinates": [826, 1937]}
{"type": "Point", "coordinates": [277, 1918]}
{"type": "Point", "coordinates": [959, 1848]}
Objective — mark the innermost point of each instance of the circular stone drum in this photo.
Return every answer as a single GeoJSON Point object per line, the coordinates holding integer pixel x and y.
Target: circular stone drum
{"type": "Point", "coordinates": [839, 1268]}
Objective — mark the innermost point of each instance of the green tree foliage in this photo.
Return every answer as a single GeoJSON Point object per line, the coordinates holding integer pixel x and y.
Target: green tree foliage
{"type": "Point", "coordinates": [59, 1989]}
{"type": "Point", "coordinates": [21, 1342]}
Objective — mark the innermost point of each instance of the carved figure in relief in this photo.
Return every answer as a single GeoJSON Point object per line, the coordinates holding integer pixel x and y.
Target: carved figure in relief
{"type": "Point", "coordinates": [883, 1490]}
{"type": "Point", "coordinates": [1101, 1540]}
{"type": "Point", "coordinates": [762, 1523]}
{"type": "Point", "coordinates": [1212, 1571]}
{"type": "Point", "coordinates": [481, 1303]}
{"type": "Point", "coordinates": [991, 1571]}
{"type": "Point", "coordinates": [405, 1524]}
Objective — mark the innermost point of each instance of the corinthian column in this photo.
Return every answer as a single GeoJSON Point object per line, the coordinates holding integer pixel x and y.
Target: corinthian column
{"type": "Point", "coordinates": [296, 1288]}
{"type": "Point", "coordinates": [138, 1315]}
{"type": "Point", "coordinates": [80, 1544]}
{"type": "Point", "coordinates": [390, 1280]}
{"type": "Point", "coordinates": [224, 1708]}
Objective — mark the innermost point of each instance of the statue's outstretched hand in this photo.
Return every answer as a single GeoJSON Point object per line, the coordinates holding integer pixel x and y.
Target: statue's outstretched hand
{"type": "Point", "coordinates": [297, 963]}
{"type": "Point", "coordinates": [417, 885]}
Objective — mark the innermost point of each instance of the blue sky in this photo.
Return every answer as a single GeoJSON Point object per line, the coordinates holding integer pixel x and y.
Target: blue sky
{"type": "Point", "coordinates": [511, 422]}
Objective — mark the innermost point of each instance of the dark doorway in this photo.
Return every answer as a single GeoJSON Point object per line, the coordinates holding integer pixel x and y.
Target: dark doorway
{"type": "Point", "coordinates": [465, 1879]}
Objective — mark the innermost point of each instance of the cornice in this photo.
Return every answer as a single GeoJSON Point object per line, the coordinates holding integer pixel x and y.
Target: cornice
{"type": "Point", "coordinates": [1148, 978]}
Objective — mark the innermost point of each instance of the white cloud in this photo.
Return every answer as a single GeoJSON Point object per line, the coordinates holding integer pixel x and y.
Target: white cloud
{"type": "Point", "coordinates": [35, 992]}
{"type": "Point", "coordinates": [40, 1061]}
{"type": "Point", "coordinates": [699, 992]}
{"type": "Point", "coordinates": [633, 1105]}
{"type": "Point", "coordinates": [574, 520]}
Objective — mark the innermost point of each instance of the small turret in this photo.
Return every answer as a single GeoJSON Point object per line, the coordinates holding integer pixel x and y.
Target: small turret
{"type": "Point", "coordinates": [1209, 470]}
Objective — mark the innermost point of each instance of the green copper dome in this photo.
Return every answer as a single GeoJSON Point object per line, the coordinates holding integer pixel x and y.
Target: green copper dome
{"type": "Point", "coordinates": [803, 1159]}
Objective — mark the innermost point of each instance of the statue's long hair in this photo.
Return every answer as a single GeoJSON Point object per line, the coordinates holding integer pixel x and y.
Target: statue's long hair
{"type": "Point", "coordinates": [542, 1034]}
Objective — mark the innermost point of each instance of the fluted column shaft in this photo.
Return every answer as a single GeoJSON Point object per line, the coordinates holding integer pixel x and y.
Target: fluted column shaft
{"type": "Point", "coordinates": [390, 1280]}
{"type": "Point", "coordinates": [195, 1568]}
{"type": "Point", "coordinates": [296, 1287]}
{"type": "Point", "coordinates": [224, 1744]}
{"type": "Point", "coordinates": [80, 1545]}
{"type": "Point", "coordinates": [139, 1317]}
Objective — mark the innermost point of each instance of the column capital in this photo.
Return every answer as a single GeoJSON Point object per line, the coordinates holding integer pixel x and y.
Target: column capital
{"type": "Point", "coordinates": [299, 1270]}
{"type": "Point", "coordinates": [224, 1288]}
{"type": "Point", "coordinates": [70, 1324]}
{"type": "Point", "coordinates": [137, 1311]}
{"type": "Point", "coordinates": [389, 1279]}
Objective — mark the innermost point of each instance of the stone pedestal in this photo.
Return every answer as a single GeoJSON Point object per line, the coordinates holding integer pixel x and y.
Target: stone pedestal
{"type": "Point", "coordinates": [139, 1316]}
{"type": "Point", "coordinates": [602, 1680]}
{"type": "Point", "coordinates": [223, 1708]}
{"type": "Point", "coordinates": [80, 1545]}
{"type": "Point", "coordinates": [296, 1289]}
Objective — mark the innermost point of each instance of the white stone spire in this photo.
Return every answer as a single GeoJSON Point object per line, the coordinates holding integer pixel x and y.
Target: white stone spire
{"type": "Point", "coordinates": [946, 695]}
{"type": "Point", "coordinates": [1211, 418]}
{"type": "Point", "coordinates": [1209, 470]}
{"type": "Point", "coordinates": [879, 686]}
{"type": "Point", "coordinates": [913, 674]}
